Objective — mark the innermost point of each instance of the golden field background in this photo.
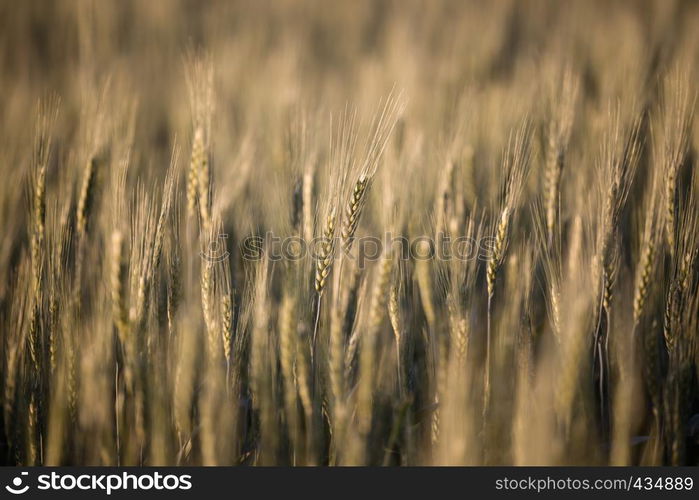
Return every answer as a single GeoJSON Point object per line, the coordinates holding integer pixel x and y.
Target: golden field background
{"type": "Point", "coordinates": [557, 135]}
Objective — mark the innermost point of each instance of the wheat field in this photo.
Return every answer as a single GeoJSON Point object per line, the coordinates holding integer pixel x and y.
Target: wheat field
{"type": "Point", "coordinates": [337, 232]}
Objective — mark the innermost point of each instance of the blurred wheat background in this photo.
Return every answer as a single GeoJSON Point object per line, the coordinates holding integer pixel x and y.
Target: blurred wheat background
{"type": "Point", "coordinates": [138, 137]}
